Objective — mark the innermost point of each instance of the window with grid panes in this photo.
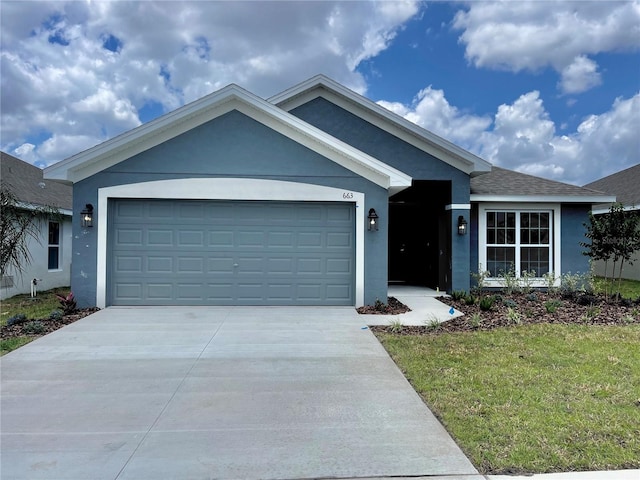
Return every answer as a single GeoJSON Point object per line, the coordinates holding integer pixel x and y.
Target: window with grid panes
{"type": "Point", "coordinates": [518, 241]}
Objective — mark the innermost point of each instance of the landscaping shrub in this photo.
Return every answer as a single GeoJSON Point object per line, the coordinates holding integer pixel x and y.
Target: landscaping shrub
{"type": "Point", "coordinates": [486, 303]}
{"type": "Point", "coordinates": [16, 319]}
{"type": "Point", "coordinates": [68, 303]}
{"type": "Point", "coordinates": [35, 327]}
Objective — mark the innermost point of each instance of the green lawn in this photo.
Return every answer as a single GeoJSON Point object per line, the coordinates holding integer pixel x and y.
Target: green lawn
{"type": "Point", "coordinates": [34, 308]}
{"type": "Point", "coordinates": [628, 288]}
{"type": "Point", "coordinates": [532, 398]}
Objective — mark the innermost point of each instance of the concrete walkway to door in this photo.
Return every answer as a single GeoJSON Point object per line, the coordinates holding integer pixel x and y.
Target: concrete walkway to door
{"type": "Point", "coordinates": [185, 393]}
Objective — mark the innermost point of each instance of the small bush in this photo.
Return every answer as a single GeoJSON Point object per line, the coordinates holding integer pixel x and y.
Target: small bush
{"type": "Point", "coordinates": [479, 280]}
{"type": "Point", "coordinates": [35, 327]}
{"type": "Point", "coordinates": [458, 294]}
{"type": "Point", "coordinates": [509, 281]}
{"type": "Point", "coordinates": [513, 316]}
{"type": "Point", "coordinates": [476, 320]}
{"type": "Point", "coordinates": [469, 300]}
{"type": "Point", "coordinates": [68, 303]}
{"type": "Point", "coordinates": [486, 303]}
{"type": "Point", "coordinates": [587, 299]}
{"type": "Point", "coordinates": [396, 326]}
{"type": "Point", "coordinates": [532, 297]}
{"type": "Point", "coordinates": [552, 305]}
{"type": "Point", "coordinates": [432, 323]}
{"type": "Point", "coordinates": [591, 313]}
{"type": "Point", "coordinates": [550, 281]}
{"type": "Point", "coordinates": [16, 319]}
{"type": "Point", "coordinates": [56, 315]}
{"type": "Point", "coordinates": [510, 303]}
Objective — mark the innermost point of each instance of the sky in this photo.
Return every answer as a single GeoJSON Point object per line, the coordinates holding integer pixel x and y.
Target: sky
{"type": "Point", "coordinates": [548, 88]}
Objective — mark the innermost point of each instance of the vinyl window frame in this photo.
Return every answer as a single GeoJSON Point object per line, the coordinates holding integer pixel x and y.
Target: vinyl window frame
{"type": "Point", "coordinates": [554, 210]}
{"type": "Point", "coordinates": [54, 246]}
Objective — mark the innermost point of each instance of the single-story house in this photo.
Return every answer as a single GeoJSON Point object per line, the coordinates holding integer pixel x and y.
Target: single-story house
{"type": "Point", "coordinates": [625, 185]}
{"type": "Point", "coordinates": [50, 252]}
{"type": "Point", "coordinates": [316, 196]}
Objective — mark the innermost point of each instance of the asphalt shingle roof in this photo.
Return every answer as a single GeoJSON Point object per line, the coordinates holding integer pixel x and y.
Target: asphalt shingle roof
{"type": "Point", "coordinates": [27, 183]}
{"type": "Point", "coordinates": [501, 181]}
{"type": "Point", "coordinates": [625, 185]}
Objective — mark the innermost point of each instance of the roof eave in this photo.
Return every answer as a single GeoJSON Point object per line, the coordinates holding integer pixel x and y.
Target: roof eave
{"type": "Point", "coordinates": [588, 199]}
{"type": "Point", "coordinates": [146, 136]}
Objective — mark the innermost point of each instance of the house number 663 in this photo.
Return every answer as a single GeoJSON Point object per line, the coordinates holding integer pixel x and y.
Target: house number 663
{"type": "Point", "coordinates": [347, 195]}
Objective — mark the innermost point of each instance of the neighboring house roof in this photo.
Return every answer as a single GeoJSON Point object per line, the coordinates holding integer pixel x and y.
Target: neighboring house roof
{"type": "Point", "coordinates": [625, 185]}
{"type": "Point", "coordinates": [27, 183]}
{"type": "Point", "coordinates": [322, 86]}
{"type": "Point", "coordinates": [507, 185]}
{"type": "Point", "coordinates": [192, 115]}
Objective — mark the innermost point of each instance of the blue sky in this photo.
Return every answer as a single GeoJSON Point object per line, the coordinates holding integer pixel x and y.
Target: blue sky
{"type": "Point", "coordinates": [544, 87]}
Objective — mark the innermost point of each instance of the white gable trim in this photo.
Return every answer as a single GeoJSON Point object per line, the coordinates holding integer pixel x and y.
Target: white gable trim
{"type": "Point", "coordinates": [140, 139]}
{"type": "Point", "coordinates": [225, 189]}
{"type": "Point", "coordinates": [321, 86]}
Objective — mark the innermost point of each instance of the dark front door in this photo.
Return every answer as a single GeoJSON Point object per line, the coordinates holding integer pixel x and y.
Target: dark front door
{"type": "Point", "coordinates": [413, 246]}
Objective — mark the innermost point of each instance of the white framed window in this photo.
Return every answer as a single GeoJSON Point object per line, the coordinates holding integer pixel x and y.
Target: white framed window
{"type": "Point", "coordinates": [53, 246]}
{"type": "Point", "coordinates": [519, 238]}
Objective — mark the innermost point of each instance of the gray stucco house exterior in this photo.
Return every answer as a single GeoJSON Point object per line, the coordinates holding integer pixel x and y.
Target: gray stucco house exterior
{"type": "Point", "coordinates": [238, 200]}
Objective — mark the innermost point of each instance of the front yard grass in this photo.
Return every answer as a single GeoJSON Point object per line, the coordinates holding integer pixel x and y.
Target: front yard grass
{"type": "Point", "coordinates": [628, 288]}
{"type": "Point", "coordinates": [532, 398]}
{"type": "Point", "coordinates": [38, 307]}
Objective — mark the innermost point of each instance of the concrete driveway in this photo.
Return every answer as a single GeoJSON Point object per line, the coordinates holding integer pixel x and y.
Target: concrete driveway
{"type": "Point", "coordinates": [225, 392]}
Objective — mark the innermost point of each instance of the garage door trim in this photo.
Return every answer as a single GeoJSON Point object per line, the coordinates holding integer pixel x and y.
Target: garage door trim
{"type": "Point", "coordinates": [226, 189]}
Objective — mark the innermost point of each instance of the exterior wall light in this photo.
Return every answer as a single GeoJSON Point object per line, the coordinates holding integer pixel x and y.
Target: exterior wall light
{"type": "Point", "coordinates": [373, 220]}
{"type": "Point", "coordinates": [462, 225]}
{"type": "Point", "coordinates": [87, 216]}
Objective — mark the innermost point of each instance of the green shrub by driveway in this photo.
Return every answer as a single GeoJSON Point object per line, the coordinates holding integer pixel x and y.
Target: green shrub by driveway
{"type": "Point", "coordinates": [532, 398]}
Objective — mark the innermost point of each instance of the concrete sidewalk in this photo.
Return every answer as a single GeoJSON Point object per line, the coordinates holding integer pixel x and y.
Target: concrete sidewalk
{"type": "Point", "coordinates": [424, 304]}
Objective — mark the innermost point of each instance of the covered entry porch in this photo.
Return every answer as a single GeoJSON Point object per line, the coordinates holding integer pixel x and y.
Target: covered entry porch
{"type": "Point", "coordinates": [420, 236]}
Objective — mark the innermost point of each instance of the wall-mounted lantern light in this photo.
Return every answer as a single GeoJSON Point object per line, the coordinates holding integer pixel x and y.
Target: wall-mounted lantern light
{"type": "Point", "coordinates": [87, 216]}
{"type": "Point", "coordinates": [462, 225]}
{"type": "Point", "coordinates": [373, 220]}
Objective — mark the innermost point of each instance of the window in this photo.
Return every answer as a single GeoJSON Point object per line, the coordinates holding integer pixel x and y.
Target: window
{"type": "Point", "coordinates": [54, 246]}
{"type": "Point", "coordinates": [517, 240]}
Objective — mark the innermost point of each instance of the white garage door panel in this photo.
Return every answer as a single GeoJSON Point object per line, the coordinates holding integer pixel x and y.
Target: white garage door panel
{"type": "Point", "coordinates": [231, 253]}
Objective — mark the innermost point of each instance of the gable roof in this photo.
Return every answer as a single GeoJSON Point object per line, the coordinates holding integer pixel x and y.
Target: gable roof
{"type": "Point", "coordinates": [26, 182]}
{"type": "Point", "coordinates": [507, 185]}
{"type": "Point", "coordinates": [625, 185]}
{"type": "Point", "coordinates": [322, 86]}
{"type": "Point", "coordinates": [194, 114]}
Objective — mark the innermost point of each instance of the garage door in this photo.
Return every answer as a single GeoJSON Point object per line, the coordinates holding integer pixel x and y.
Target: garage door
{"type": "Point", "coordinates": [169, 252]}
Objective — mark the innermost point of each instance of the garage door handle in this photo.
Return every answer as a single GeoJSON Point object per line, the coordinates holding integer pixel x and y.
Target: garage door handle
{"type": "Point", "coordinates": [235, 264]}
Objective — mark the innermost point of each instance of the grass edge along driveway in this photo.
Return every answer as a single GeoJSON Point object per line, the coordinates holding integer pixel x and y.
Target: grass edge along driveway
{"type": "Point", "coordinates": [532, 398]}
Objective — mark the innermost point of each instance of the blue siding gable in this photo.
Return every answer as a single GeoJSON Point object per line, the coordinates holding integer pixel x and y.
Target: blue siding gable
{"type": "Point", "coordinates": [382, 145]}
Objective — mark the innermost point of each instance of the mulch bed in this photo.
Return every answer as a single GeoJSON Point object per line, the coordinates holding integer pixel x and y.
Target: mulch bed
{"type": "Point", "coordinates": [392, 307]}
{"type": "Point", "coordinates": [532, 308]}
{"type": "Point", "coordinates": [24, 329]}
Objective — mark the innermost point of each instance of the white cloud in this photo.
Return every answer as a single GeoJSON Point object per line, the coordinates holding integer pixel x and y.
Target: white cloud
{"type": "Point", "coordinates": [524, 139]}
{"type": "Point", "coordinates": [61, 86]}
{"type": "Point", "coordinates": [521, 136]}
{"type": "Point", "coordinates": [431, 110]}
{"type": "Point", "coordinates": [531, 36]}
{"type": "Point", "coordinates": [580, 75]}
